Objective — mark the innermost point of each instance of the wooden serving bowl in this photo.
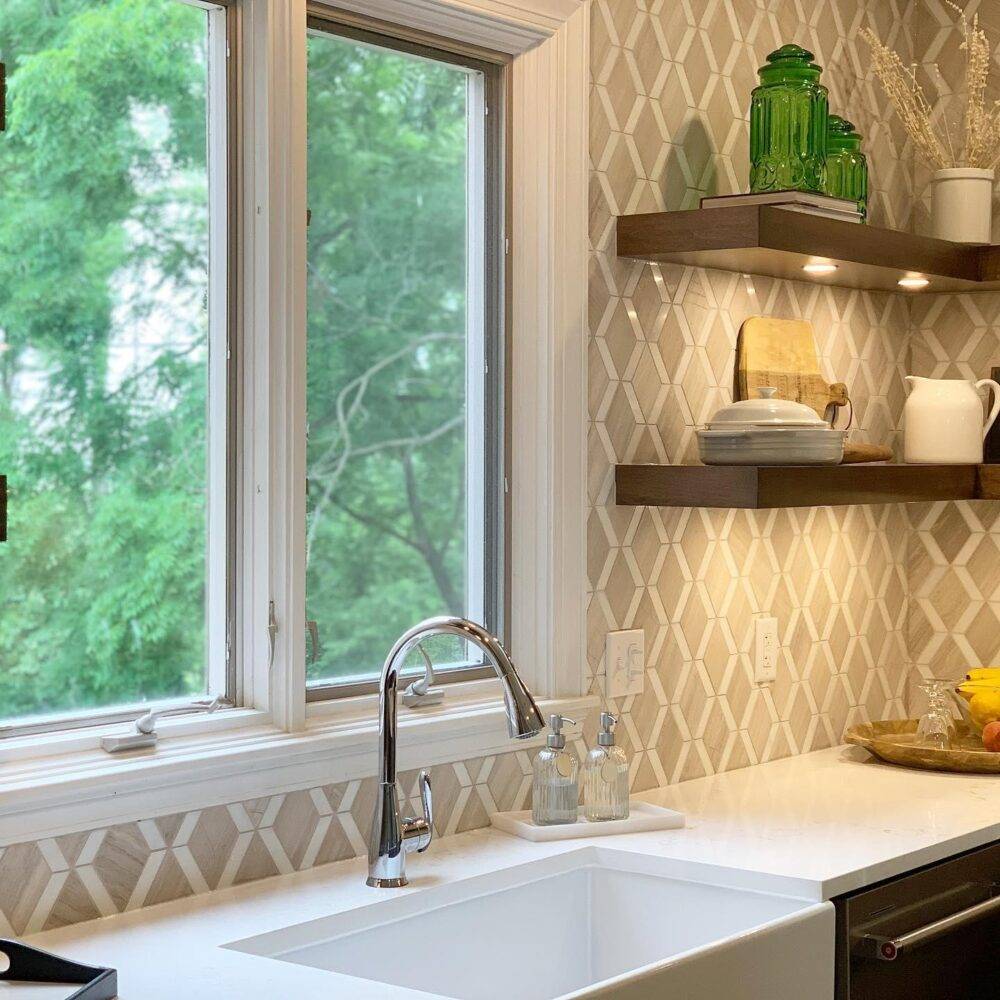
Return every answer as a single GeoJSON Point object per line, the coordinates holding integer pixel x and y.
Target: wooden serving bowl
{"type": "Point", "coordinates": [895, 743]}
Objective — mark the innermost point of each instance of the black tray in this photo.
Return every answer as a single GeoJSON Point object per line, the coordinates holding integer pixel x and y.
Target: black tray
{"type": "Point", "coordinates": [29, 965]}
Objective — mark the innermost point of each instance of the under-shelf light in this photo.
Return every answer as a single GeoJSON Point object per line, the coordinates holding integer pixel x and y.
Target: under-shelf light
{"type": "Point", "coordinates": [819, 267]}
{"type": "Point", "coordinates": [913, 282]}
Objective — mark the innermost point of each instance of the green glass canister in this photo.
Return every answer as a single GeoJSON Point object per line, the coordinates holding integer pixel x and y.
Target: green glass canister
{"type": "Point", "coordinates": [846, 165]}
{"type": "Point", "coordinates": [788, 113]}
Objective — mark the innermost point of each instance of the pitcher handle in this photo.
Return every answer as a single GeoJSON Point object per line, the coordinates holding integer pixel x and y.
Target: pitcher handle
{"type": "Point", "coordinates": [996, 403]}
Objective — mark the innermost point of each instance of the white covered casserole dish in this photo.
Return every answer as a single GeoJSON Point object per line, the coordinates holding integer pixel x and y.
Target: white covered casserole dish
{"type": "Point", "coordinates": [769, 431]}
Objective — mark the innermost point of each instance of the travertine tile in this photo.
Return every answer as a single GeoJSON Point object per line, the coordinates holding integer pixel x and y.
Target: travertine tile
{"type": "Point", "coordinates": [213, 842]}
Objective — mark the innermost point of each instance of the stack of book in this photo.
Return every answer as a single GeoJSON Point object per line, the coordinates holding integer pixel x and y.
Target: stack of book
{"type": "Point", "coordinates": [792, 201]}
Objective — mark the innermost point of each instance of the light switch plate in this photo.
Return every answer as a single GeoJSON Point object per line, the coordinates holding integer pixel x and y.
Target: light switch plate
{"type": "Point", "coordinates": [766, 648]}
{"type": "Point", "coordinates": [625, 663]}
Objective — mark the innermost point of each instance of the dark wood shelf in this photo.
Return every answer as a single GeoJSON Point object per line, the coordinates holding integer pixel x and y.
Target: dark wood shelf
{"type": "Point", "coordinates": [765, 486]}
{"type": "Point", "coordinates": [760, 239]}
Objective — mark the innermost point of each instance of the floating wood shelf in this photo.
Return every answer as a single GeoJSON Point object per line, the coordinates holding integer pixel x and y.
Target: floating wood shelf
{"type": "Point", "coordinates": [756, 239]}
{"type": "Point", "coordinates": [762, 487]}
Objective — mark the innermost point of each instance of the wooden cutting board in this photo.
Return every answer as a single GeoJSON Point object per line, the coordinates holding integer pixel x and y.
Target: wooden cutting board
{"type": "Point", "coordinates": [782, 353]}
{"type": "Point", "coordinates": [857, 453]}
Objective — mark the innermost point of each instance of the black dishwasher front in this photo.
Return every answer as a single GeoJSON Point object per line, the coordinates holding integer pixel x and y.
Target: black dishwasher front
{"type": "Point", "coordinates": [932, 934]}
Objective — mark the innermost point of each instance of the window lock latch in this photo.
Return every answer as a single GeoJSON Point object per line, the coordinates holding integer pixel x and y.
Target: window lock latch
{"type": "Point", "coordinates": [143, 734]}
{"type": "Point", "coordinates": [312, 630]}
{"type": "Point", "coordinates": [272, 633]}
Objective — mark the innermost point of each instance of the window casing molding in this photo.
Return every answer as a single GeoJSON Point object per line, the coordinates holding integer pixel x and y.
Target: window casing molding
{"type": "Point", "coordinates": [547, 280]}
{"type": "Point", "coordinates": [508, 26]}
{"type": "Point", "coordinates": [548, 478]}
{"type": "Point", "coordinates": [549, 283]}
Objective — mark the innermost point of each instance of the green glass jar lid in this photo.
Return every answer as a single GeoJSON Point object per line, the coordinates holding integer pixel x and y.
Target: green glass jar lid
{"type": "Point", "coordinates": [790, 61]}
{"type": "Point", "coordinates": [836, 125]}
{"type": "Point", "coordinates": [840, 132]}
{"type": "Point", "coordinates": [791, 51]}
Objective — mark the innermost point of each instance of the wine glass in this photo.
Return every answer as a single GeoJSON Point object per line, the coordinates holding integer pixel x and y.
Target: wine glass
{"type": "Point", "coordinates": [936, 727]}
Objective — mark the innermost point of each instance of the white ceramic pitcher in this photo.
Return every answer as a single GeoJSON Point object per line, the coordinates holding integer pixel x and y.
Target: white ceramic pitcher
{"type": "Point", "coordinates": [943, 420]}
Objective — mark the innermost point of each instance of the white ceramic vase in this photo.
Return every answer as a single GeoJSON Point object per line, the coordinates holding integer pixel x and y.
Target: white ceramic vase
{"type": "Point", "coordinates": [962, 205]}
{"type": "Point", "coordinates": [943, 421]}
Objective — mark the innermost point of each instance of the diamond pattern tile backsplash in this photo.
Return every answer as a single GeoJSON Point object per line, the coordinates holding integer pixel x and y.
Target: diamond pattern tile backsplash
{"type": "Point", "coordinates": [954, 567]}
{"type": "Point", "coordinates": [669, 99]}
{"type": "Point", "coordinates": [861, 593]}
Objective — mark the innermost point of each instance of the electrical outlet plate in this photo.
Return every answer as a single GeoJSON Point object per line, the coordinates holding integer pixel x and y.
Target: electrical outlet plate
{"type": "Point", "coordinates": [766, 647]}
{"type": "Point", "coordinates": [625, 663]}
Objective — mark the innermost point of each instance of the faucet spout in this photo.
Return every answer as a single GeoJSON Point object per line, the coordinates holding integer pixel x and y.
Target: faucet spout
{"type": "Point", "coordinates": [392, 837]}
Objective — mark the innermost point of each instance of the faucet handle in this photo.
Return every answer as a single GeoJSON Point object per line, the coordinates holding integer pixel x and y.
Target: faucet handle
{"type": "Point", "coordinates": [418, 832]}
{"type": "Point", "coordinates": [427, 798]}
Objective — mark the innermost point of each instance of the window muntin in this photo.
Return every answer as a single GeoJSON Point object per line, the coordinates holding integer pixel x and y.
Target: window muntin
{"type": "Point", "coordinates": [405, 360]}
{"type": "Point", "coordinates": [112, 354]}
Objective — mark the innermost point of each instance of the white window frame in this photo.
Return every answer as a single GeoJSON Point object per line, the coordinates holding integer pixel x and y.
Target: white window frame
{"type": "Point", "coordinates": [61, 781]}
{"type": "Point", "coordinates": [217, 606]}
{"type": "Point", "coordinates": [475, 362]}
{"type": "Point", "coordinates": [486, 405]}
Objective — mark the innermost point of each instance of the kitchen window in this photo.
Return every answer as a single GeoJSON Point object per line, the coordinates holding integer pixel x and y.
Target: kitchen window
{"type": "Point", "coordinates": [247, 587]}
{"type": "Point", "coordinates": [113, 358]}
{"type": "Point", "coordinates": [405, 504]}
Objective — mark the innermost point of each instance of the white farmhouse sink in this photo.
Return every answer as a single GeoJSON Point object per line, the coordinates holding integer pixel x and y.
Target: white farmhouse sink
{"type": "Point", "coordinates": [587, 923]}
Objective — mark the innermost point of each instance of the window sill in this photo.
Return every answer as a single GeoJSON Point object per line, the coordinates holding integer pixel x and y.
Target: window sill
{"type": "Point", "coordinates": [80, 789]}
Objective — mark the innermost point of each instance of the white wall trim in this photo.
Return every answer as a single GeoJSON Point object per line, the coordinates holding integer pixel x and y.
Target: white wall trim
{"type": "Point", "coordinates": [549, 246]}
{"type": "Point", "coordinates": [273, 544]}
{"type": "Point", "coordinates": [88, 790]}
{"type": "Point", "coordinates": [510, 26]}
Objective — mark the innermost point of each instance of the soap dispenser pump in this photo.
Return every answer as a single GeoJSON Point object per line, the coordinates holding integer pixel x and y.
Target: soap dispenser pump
{"type": "Point", "coordinates": [605, 776]}
{"type": "Point", "coordinates": [555, 790]}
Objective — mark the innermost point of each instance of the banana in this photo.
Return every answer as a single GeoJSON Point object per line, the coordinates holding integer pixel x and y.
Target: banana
{"type": "Point", "coordinates": [969, 689]}
{"type": "Point", "coordinates": [983, 674]}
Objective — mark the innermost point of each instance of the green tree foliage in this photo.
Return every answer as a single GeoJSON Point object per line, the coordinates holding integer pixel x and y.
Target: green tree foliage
{"type": "Point", "coordinates": [103, 237]}
{"type": "Point", "coordinates": [387, 250]}
{"type": "Point", "coordinates": [103, 228]}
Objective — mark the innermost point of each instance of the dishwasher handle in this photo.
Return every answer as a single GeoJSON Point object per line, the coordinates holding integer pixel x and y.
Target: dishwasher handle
{"type": "Point", "coordinates": [888, 949]}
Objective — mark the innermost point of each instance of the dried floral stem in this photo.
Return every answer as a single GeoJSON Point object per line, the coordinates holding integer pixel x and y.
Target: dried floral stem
{"type": "Point", "coordinates": [980, 137]}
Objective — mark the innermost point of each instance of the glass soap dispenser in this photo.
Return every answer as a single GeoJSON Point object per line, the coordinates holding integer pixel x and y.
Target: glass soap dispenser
{"type": "Point", "coordinates": [555, 790]}
{"type": "Point", "coordinates": [605, 776]}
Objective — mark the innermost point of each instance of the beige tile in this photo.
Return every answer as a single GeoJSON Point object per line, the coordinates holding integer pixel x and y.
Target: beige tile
{"type": "Point", "coordinates": [257, 863]}
{"type": "Point", "coordinates": [73, 905]}
{"type": "Point", "coordinates": [169, 883]}
{"type": "Point", "coordinates": [335, 844]}
{"type": "Point", "coordinates": [296, 824]}
{"type": "Point", "coordinates": [24, 876]}
{"type": "Point", "coordinates": [213, 842]}
{"type": "Point", "coordinates": [508, 784]}
{"type": "Point", "coordinates": [120, 862]}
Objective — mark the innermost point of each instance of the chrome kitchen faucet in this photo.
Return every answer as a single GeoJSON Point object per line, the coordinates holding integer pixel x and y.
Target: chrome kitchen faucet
{"type": "Point", "coordinates": [393, 837]}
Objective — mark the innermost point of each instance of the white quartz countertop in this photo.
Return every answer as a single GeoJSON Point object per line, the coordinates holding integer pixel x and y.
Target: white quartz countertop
{"type": "Point", "coordinates": [812, 827]}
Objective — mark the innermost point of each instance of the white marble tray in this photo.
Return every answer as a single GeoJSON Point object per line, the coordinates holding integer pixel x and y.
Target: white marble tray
{"type": "Point", "coordinates": [643, 817]}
